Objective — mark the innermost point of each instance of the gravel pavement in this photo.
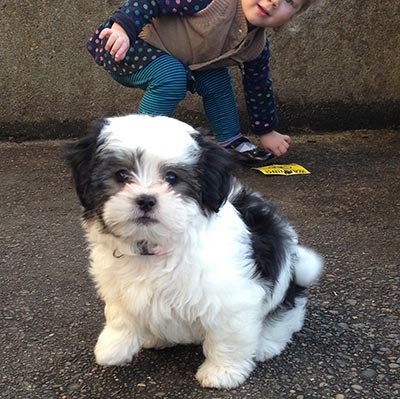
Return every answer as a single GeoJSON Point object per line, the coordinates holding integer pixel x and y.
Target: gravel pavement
{"type": "Point", "coordinates": [348, 209]}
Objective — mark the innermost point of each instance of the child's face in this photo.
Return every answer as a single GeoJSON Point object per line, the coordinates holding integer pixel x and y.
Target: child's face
{"type": "Point", "coordinates": [270, 13]}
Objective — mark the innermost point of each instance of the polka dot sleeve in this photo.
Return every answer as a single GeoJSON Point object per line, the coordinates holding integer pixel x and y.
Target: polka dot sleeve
{"type": "Point", "coordinates": [259, 95]}
{"type": "Point", "coordinates": [133, 15]}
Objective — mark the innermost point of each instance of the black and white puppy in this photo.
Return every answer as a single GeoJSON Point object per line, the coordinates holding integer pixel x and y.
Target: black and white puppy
{"type": "Point", "coordinates": [181, 253]}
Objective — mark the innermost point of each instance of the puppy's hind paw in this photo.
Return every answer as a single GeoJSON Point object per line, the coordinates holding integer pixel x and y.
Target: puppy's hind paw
{"type": "Point", "coordinates": [217, 376]}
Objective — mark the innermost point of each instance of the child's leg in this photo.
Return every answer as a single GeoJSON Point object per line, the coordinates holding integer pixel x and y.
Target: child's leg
{"type": "Point", "coordinates": [215, 87]}
{"type": "Point", "coordinates": [164, 81]}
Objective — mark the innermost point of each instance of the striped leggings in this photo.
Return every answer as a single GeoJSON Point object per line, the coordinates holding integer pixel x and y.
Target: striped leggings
{"type": "Point", "coordinates": [165, 83]}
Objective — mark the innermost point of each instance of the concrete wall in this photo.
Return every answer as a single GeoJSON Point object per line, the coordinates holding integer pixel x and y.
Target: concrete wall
{"type": "Point", "coordinates": [337, 68]}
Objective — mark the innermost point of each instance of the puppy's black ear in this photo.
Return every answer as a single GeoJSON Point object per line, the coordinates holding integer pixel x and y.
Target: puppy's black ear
{"type": "Point", "coordinates": [215, 166]}
{"type": "Point", "coordinates": [80, 157]}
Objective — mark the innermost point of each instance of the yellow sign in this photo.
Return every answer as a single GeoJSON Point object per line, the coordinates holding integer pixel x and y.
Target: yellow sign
{"type": "Point", "coordinates": [284, 170]}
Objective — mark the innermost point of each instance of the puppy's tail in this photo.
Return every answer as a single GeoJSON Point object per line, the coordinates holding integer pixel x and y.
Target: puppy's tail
{"type": "Point", "coordinates": [308, 267]}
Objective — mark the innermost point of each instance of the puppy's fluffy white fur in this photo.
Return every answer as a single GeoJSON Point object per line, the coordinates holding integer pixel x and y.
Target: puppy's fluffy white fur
{"type": "Point", "coordinates": [182, 253]}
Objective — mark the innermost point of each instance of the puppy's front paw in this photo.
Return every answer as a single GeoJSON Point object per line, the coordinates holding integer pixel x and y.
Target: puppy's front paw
{"type": "Point", "coordinates": [156, 343]}
{"type": "Point", "coordinates": [212, 375]}
{"type": "Point", "coordinates": [115, 347]}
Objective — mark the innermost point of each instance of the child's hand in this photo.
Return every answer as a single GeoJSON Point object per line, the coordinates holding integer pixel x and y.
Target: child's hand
{"type": "Point", "coordinates": [275, 142]}
{"type": "Point", "coordinates": [118, 41]}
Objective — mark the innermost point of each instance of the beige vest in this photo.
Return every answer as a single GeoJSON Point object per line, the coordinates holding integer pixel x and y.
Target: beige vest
{"type": "Point", "coordinates": [214, 37]}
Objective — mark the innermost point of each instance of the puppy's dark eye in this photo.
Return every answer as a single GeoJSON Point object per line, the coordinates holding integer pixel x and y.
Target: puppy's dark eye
{"type": "Point", "coordinates": [122, 176]}
{"type": "Point", "coordinates": [171, 178]}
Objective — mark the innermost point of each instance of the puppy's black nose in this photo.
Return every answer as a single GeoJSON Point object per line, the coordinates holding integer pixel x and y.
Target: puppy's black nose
{"type": "Point", "coordinates": [146, 202]}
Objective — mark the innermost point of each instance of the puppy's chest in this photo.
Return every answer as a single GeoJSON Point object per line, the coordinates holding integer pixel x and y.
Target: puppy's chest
{"type": "Point", "coordinates": [151, 292]}
{"type": "Point", "coordinates": [158, 299]}
{"type": "Point", "coordinates": [171, 299]}
{"type": "Point", "coordinates": [167, 311]}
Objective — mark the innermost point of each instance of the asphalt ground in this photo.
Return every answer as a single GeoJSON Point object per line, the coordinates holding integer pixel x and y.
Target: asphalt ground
{"type": "Point", "coordinates": [348, 209]}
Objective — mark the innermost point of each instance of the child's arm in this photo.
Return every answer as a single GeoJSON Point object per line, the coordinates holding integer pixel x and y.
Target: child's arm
{"type": "Point", "coordinates": [260, 103]}
{"type": "Point", "coordinates": [129, 19]}
{"type": "Point", "coordinates": [259, 94]}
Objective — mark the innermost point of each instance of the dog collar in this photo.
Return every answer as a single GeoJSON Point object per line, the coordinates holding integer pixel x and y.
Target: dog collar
{"type": "Point", "coordinates": [143, 247]}
{"type": "Point", "coordinates": [139, 248]}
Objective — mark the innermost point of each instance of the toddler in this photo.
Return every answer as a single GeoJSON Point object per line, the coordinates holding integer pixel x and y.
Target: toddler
{"type": "Point", "coordinates": [167, 47]}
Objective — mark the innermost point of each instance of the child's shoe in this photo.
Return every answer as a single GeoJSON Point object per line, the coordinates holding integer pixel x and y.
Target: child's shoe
{"type": "Point", "coordinates": [248, 154]}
